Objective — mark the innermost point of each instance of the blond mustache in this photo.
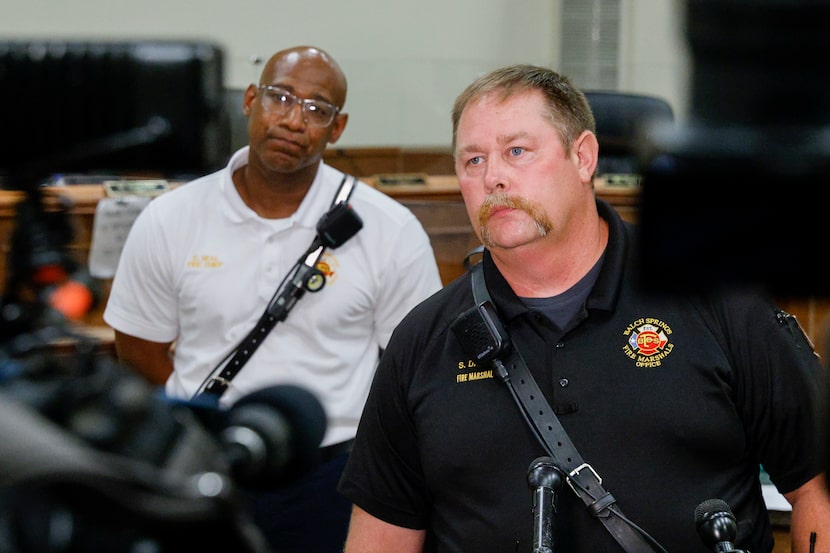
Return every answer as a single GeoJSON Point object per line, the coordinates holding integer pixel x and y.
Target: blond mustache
{"type": "Point", "coordinates": [494, 201]}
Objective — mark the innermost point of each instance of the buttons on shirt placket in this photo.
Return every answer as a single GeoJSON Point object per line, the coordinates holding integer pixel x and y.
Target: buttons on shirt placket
{"type": "Point", "coordinates": [566, 401]}
{"type": "Point", "coordinates": [563, 382]}
{"type": "Point", "coordinates": [271, 266]}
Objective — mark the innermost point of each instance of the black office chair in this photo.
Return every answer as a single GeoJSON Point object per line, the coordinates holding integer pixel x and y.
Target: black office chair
{"type": "Point", "coordinates": [623, 121]}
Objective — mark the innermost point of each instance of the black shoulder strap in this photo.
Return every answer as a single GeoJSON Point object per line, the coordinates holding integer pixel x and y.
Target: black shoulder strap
{"type": "Point", "coordinates": [344, 191]}
{"type": "Point", "coordinates": [304, 276]}
{"type": "Point", "coordinates": [580, 476]}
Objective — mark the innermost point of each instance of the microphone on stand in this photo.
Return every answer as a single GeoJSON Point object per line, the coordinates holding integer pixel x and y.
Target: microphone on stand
{"type": "Point", "coordinates": [716, 526]}
{"type": "Point", "coordinates": [272, 436]}
{"type": "Point", "coordinates": [545, 479]}
{"type": "Point", "coordinates": [269, 438]}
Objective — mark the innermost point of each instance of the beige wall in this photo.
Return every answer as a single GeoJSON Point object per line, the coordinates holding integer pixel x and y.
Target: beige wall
{"type": "Point", "coordinates": [653, 55]}
{"type": "Point", "coordinates": [405, 59]}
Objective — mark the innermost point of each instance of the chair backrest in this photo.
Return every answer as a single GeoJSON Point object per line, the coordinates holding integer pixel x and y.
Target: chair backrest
{"type": "Point", "coordinates": [623, 121]}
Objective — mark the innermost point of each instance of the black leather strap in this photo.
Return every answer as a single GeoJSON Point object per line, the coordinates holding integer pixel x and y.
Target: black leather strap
{"type": "Point", "coordinates": [291, 290]}
{"type": "Point", "coordinates": [580, 476]}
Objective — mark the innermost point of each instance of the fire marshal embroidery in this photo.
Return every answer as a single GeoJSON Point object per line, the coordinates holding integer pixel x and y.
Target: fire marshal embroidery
{"type": "Point", "coordinates": [469, 371]}
{"type": "Point", "coordinates": [648, 342]}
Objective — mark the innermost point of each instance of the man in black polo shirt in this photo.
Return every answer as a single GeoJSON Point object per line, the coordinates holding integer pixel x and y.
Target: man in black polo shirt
{"type": "Point", "coordinates": [672, 401]}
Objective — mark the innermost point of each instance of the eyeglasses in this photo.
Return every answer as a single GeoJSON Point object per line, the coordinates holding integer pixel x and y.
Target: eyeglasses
{"type": "Point", "coordinates": [317, 113]}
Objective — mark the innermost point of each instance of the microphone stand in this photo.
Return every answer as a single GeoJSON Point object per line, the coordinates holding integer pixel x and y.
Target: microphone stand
{"type": "Point", "coordinates": [545, 479]}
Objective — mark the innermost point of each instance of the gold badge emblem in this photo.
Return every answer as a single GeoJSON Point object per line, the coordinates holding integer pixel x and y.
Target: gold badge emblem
{"type": "Point", "coordinates": [648, 341]}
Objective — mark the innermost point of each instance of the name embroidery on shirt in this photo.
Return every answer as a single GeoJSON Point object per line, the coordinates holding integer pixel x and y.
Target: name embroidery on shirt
{"type": "Point", "coordinates": [468, 372]}
{"type": "Point", "coordinates": [648, 342]}
{"type": "Point", "coordinates": [204, 261]}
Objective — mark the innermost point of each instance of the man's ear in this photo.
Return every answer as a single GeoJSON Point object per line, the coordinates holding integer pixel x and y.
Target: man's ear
{"type": "Point", "coordinates": [248, 98]}
{"type": "Point", "coordinates": [586, 153]}
{"type": "Point", "coordinates": [338, 126]}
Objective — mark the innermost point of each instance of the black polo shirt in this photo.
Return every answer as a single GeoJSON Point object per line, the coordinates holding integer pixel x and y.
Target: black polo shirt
{"type": "Point", "coordinates": [672, 400]}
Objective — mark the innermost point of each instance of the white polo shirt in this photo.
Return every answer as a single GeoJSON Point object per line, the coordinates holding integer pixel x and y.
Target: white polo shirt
{"type": "Point", "coordinates": [199, 267]}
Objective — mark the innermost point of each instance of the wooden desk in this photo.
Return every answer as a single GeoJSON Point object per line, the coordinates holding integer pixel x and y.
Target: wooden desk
{"type": "Point", "coordinates": [437, 187]}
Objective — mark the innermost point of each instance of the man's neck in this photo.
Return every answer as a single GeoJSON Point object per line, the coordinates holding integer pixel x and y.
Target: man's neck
{"type": "Point", "coordinates": [549, 266]}
{"type": "Point", "coordinates": [272, 196]}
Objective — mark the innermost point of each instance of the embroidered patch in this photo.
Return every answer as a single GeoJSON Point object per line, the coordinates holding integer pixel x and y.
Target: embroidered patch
{"type": "Point", "coordinates": [328, 265]}
{"type": "Point", "coordinates": [204, 261]}
{"type": "Point", "coordinates": [648, 342]}
{"type": "Point", "coordinates": [469, 371]}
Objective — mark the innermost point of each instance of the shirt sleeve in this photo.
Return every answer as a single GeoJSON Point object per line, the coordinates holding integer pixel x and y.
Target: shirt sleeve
{"type": "Point", "coordinates": [142, 301]}
{"type": "Point", "coordinates": [383, 474]}
{"type": "Point", "coordinates": [411, 276]}
{"type": "Point", "coordinates": [778, 378]}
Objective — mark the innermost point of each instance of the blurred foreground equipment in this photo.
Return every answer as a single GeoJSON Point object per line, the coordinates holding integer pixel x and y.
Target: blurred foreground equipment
{"type": "Point", "coordinates": [92, 458]}
{"type": "Point", "coordinates": [134, 107]}
{"type": "Point", "coordinates": [737, 194]}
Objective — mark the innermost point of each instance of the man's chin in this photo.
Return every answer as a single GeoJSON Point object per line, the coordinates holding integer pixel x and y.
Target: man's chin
{"type": "Point", "coordinates": [282, 162]}
{"type": "Point", "coordinates": [510, 236]}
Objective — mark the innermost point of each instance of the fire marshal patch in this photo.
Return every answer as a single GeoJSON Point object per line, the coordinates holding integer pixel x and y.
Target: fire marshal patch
{"type": "Point", "coordinates": [648, 342]}
{"type": "Point", "coordinates": [328, 265]}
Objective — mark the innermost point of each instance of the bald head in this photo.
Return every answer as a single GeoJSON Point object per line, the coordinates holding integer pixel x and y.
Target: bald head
{"type": "Point", "coordinates": [315, 66]}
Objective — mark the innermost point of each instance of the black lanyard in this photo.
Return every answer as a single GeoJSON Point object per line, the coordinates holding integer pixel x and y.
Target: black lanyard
{"type": "Point", "coordinates": [335, 227]}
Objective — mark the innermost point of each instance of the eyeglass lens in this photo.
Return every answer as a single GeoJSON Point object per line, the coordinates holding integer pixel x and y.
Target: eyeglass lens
{"type": "Point", "coordinates": [279, 100]}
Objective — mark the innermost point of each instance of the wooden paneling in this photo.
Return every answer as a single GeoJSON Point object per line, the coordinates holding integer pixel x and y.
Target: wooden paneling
{"type": "Point", "coordinates": [365, 162]}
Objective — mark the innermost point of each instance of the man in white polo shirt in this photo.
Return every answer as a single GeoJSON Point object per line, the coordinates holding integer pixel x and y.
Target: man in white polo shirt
{"type": "Point", "coordinates": [202, 262]}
